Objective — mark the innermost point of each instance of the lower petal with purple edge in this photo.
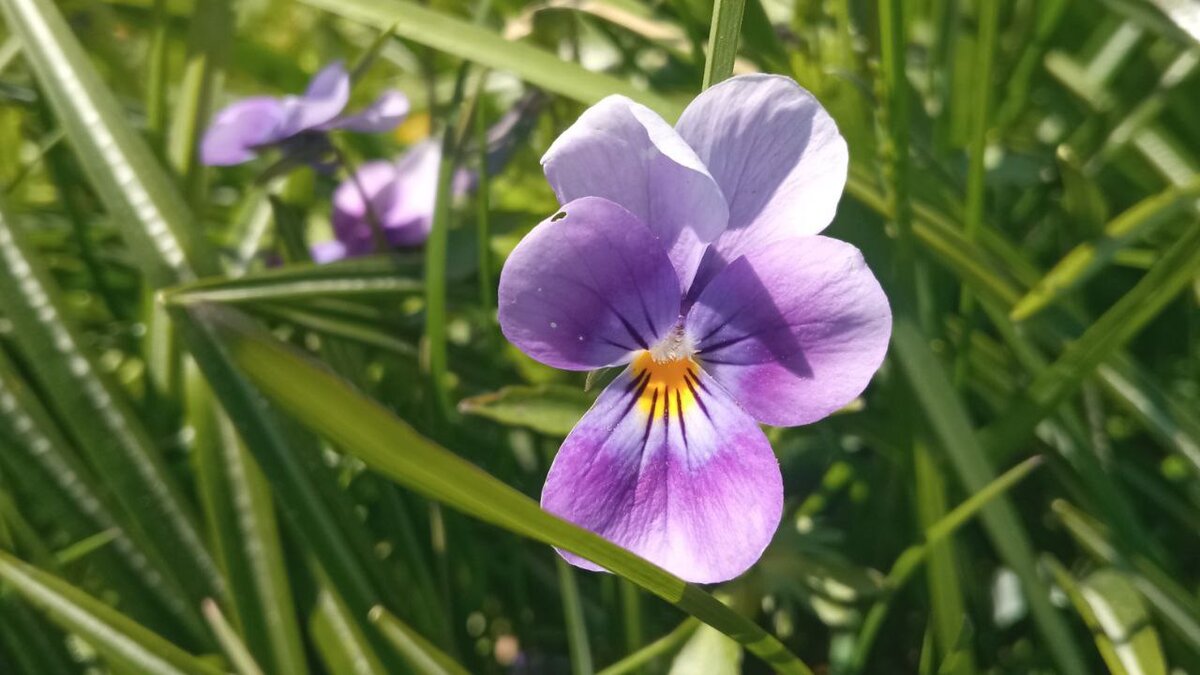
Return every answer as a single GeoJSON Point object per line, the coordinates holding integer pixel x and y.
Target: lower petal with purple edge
{"type": "Point", "coordinates": [668, 466]}
{"type": "Point", "coordinates": [794, 330]}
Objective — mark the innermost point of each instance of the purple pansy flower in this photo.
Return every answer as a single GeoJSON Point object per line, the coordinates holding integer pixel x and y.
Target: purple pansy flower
{"type": "Point", "coordinates": [690, 255]}
{"type": "Point", "coordinates": [401, 196]}
{"type": "Point", "coordinates": [241, 130]}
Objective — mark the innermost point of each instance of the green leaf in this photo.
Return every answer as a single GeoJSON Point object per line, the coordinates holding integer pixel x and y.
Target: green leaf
{"type": "Point", "coordinates": [1111, 607]}
{"type": "Point", "coordinates": [369, 432]}
{"type": "Point", "coordinates": [1175, 604]}
{"type": "Point", "coordinates": [1120, 613]}
{"type": "Point", "coordinates": [479, 45]}
{"type": "Point", "coordinates": [119, 638]}
{"type": "Point", "coordinates": [551, 409]}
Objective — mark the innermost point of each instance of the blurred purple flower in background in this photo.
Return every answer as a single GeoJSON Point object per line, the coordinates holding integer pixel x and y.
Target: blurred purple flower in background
{"type": "Point", "coordinates": [240, 131]}
{"type": "Point", "coordinates": [400, 195]}
{"type": "Point", "coordinates": [691, 255]}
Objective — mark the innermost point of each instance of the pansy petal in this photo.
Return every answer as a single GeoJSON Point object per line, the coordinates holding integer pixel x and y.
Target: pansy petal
{"type": "Point", "coordinates": [587, 288]}
{"type": "Point", "coordinates": [351, 223]}
{"type": "Point", "coordinates": [326, 97]}
{"type": "Point", "coordinates": [328, 251]}
{"type": "Point", "coordinates": [383, 114]}
{"type": "Point", "coordinates": [668, 466]}
{"type": "Point", "coordinates": [775, 152]}
{"type": "Point", "coordinates": [239, 129]}
{"type": "Point", "coordinates": [795, 330]}
{"type": "Point", "coordinates": [624, 152]}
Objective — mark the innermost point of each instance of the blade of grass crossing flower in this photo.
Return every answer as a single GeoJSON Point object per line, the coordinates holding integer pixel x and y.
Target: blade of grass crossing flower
{"type": "Point", "coordinates": [664, 646]}
{"type": "Point", "coordinates": [949, 422]}
{"type": "Point", "coordinates": [130, 646]}
{"type": "Point", "coordinates": [420, 654]}
{"type": "Point", "coordinates": [235, 650]}
{"type": "Point", "coordinates": [99, 417]}
{"type": "Point", "coordinates": [245, 536]}
{"type": "Point", "coordinates": [480, 45]}
{"type": "Point", "coordinates": [723, 40]}
{"type": "Point", "coordinates": [137, 193]}
{"type": "Point", "coordinates": [1086, 259]}
{"type": "Point", "coordinates": [366, 430]}
{"type": "Point", "coordinates": [577, 635]}
{"type": "Point", "coordinates": [911, 558]}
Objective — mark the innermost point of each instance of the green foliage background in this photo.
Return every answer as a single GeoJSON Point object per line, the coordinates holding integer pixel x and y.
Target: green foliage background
{"type": "Point", "coordinates": [210, 462]}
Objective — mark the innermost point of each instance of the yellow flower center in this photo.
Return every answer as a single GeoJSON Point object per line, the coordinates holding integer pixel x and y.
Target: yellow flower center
{"type": "Point", "coordinates": [666, 387]}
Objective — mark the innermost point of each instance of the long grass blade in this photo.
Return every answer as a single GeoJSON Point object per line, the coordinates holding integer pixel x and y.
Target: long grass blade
{"type": "Point", "coordinates": [723, 40]}
{"type": "Point", "coordinates": [420, 654]}
{"type": "Point", "coordinates": [366, 430]}
{"type": "Point", "coordinates": [133, 647]}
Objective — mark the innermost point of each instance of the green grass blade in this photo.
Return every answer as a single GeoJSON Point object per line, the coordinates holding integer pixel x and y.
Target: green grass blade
{"type": "Point", "coordinates": [363, 278]}
{"type": "Point", "coordinates": [723, 40]}
{"type": "Point", "coordinates": [663, 646]}
{"type": "Point", "coordinates": [99, 417]}
{"type": "Point", "coordinates": [578, 645]}
{"type": "Point", "coordinates": [551, 409]}
{"type": "Point", "coordinates": [245, 536]}
{"type": "Point", "coordinates": [30, 430]}
{"type": "Point", "coordinates": [119, 638]}
{"type": "Point", "coordinates": [1175, 604]}
{"type": "Point", "coordinates": [420, 654]}
{"type": "Point", "coordinates": [911, 558]}
{"type": "Point", "coordinates": [339, 638]}
{"type": "Point", "coordinates": [369, 432]}
{"type": "Point", "coordinates": [212, 29]}
{"type": "Point", "coordinates": [479, 45]}
{"type": "Point", "coordinates": [1086, 259]}
{"type": "Point", "coordinates": [235, 650]}
{"type": "Point", "coordinates": [1172, 274]}
{"type": "Point", "coordinates": [133, 186]}
{"type": "Point", "coordinates": [951, 426]}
